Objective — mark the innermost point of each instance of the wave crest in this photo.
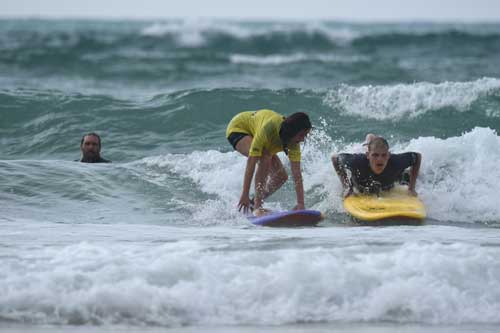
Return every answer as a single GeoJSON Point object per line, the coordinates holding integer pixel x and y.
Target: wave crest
{"type": "Point", "coordinates": [409, 100]}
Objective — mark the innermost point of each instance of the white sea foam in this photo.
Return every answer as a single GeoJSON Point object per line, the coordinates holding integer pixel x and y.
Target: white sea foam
{"type": "Point", "coordinates": [215, 173]}
{"type": "Point", "coordinates": [460, 175]}
{"type": "Point", "coordinates": [282, 59]}
{"type": "Point", "coordinates": [194, 32]}
{"type": "Point", "coordinates": [410, 100]}
{"type": "Point", "coordinates": [192, 283]}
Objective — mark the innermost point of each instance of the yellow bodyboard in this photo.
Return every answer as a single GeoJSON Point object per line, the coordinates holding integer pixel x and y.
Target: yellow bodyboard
{"type": "Point", "coordinates": [396, 203]}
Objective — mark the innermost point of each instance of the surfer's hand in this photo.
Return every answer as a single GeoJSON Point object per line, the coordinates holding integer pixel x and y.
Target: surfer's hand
{"type": "Point", "coordinates": [347, 192]}
{"type": "Point", "coordinates": [412, 192]}
{"type": "Point", "coordinates": [244, 203]}
{"type": "Point", "coordinates": [299, 207]}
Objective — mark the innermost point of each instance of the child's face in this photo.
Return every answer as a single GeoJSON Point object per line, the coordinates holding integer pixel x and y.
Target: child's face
{"type": "Point", "coordinates": [301, 136]}
{"type": "Point", "coordinates": [378, 157]}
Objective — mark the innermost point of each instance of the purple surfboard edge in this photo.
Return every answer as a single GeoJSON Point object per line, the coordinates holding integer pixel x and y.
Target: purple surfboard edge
{"type": "Point", "coordinates": [266, 219]}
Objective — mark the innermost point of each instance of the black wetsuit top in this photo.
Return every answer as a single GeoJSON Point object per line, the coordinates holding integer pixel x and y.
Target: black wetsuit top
{"type": "Point", "coordinates": [97, 160]}
{"type": "Point", "coordinates": [365, 180]}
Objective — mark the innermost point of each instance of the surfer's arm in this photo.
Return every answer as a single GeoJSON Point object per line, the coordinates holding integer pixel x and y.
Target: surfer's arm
{"type": "Point", "coordinates": [247, 181]}
{"type": "Point", "coordinates": [299, 186]}
{"type": "Point", "coordinates": [414, 174]}
{"type": "Point", "coordinates": [340, 170]}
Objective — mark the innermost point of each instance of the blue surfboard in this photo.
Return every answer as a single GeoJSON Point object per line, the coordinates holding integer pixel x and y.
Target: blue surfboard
{"type": "Point", "coordinates": [291, 218]}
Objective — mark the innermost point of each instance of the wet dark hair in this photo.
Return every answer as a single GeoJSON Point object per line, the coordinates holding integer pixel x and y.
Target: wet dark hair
{"type": "Point", "coordinates": [377, 142]}
{"type": "Point", "coordinates": [91, 134]}
{"type": "Point", "coordinates": [292, 125]}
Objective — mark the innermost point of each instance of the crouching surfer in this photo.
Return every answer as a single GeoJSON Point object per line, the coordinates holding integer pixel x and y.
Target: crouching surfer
{"type": "Point", "coordinates": [260, 135]}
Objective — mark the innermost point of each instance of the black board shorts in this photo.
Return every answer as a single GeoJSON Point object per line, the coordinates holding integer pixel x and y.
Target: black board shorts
{"type": "Point", "coordinates": [235, 137]}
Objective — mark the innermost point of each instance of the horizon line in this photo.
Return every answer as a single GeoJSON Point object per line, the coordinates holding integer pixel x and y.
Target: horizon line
{"type": "Point", "coordinates": [250, 19]}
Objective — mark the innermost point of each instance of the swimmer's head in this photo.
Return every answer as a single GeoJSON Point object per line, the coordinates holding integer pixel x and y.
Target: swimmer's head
{"type": "Point", "coordinates": [90, 146]}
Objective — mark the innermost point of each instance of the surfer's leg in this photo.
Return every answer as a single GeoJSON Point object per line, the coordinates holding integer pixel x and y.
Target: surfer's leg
{"type": "Point", "coordinates": [276, 178]}
{"type": "Point", "coordinates": [261, 175]}
{"type": "Point", "coordinates": [243, 145]}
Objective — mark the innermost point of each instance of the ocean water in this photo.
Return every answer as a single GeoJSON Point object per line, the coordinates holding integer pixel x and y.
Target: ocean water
{"type": "Point", "coordinates": [154, 242]}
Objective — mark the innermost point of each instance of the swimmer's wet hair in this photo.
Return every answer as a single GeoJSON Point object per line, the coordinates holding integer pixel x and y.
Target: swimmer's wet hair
{"type": "Point", "coordinates": [378, 142]}
{"type": "Point", "coordinates": [91, 134]}
{"type": "Point", "coordinates": [291, 126]}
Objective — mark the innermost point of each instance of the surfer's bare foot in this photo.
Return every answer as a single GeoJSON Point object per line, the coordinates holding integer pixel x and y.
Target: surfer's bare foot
{"type": "Point", "coordinates": [299, 207]}
{"type": "Point", "coordinates": [261, 211]}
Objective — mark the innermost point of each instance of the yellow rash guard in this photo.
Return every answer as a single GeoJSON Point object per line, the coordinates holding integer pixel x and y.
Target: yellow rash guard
{"type": "Point", "coordinates": [264, 127]}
